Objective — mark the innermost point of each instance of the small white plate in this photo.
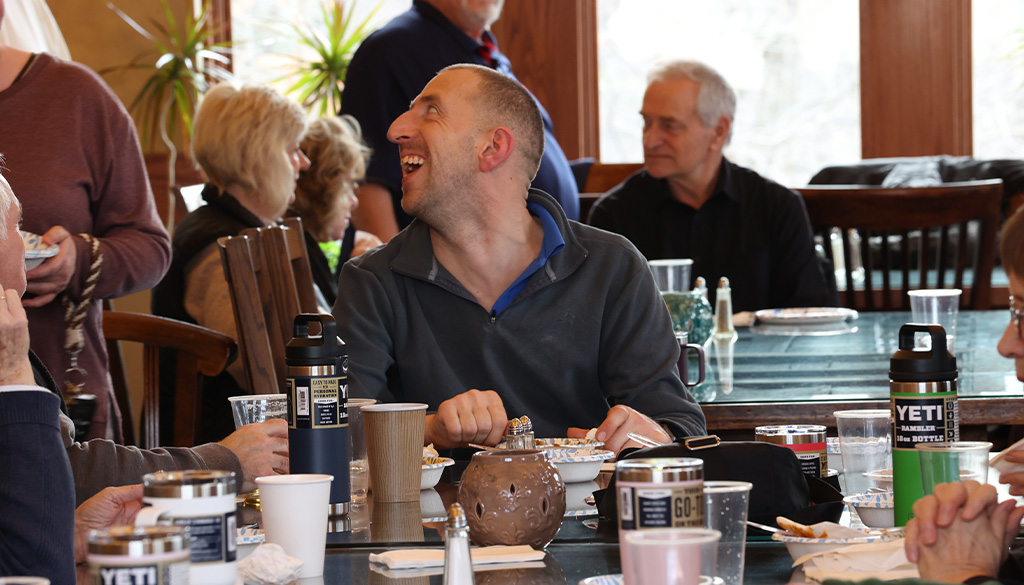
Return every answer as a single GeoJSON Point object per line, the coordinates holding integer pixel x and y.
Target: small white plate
{"type": "Point", "coordinates": [36, 250]}
{"type": "Point", "coordinates": [432, 469]}
{"type": "Point", "coordinates": [617, 580]}
{"type": "Point", "coordinates": [805, 315]}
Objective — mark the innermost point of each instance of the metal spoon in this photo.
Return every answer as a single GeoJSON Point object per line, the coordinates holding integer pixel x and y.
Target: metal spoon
{"type": "Point", "coordinates": [764, 527]}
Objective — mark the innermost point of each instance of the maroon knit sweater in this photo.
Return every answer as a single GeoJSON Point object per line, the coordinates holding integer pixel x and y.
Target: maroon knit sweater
{"type": "Point", "coordinates": [73, 159]}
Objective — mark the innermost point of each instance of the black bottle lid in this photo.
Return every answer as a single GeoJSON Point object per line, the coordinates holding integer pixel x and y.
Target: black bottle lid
{"type": "Point", "coordinates": [313, 350]}
{"type": "Point", "coordinates": [910, 365]}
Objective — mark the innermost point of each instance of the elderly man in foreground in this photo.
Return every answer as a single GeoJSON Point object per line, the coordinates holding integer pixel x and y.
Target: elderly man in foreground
{"type": "Point", "coordinates": [691, 202]}
{"type": "Point", "coordinates": [491, 303]}
{"type": "Point", "coordinates": [251, 451]}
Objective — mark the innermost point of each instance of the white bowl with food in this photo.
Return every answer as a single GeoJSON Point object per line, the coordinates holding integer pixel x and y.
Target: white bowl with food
{"type": "Point", "coordinates": [432, 469]}
{"type": "Point", "coordinates": [568, 443]}
{"type": "Point", "coordinates": [875, 509]}
{"type": "Point", "coordinates": [36, 251]}
{"type": "Point", "coordinates": [799, 546]}
{"type": "Point", "coordinates": [577, 465]}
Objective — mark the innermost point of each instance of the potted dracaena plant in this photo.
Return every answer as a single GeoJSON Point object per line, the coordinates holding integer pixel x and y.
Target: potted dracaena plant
{"type": "Point", "coordinates": [185, 60]}
{"type": "Point", "coordinates": [317, 74]}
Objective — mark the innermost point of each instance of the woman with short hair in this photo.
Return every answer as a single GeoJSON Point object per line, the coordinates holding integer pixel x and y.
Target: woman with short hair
{"type": "Point", "coordinates": [247, 142]}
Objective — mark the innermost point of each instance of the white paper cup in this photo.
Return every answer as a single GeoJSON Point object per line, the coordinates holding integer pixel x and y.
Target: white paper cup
{"type": "Point", "coordinates": [669, 556]}
{"type": "Point", "coordinates": [294, 511]}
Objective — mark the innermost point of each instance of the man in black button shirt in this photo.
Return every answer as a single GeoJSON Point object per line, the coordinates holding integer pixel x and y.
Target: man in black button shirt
{"type": "Point", "coordinates": [690, 202]}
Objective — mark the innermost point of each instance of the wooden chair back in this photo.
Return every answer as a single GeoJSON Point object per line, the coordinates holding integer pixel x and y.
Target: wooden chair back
{"type": "Point", "coordinates": [600, 179]}
{"type": "Point", "coordinates": [199, 352]}
{"type": "Point", "coordinates": [270, 280]}
{"type": "Point", "coordinates": [886, 219]}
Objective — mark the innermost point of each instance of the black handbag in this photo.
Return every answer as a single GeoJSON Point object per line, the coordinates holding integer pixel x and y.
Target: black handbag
{"type": "Point", "coordinates": [780, 487]}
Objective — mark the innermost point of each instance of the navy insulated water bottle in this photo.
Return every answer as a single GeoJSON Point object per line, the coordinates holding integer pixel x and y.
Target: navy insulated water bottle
{"type": "Point", "coordinates": [318, 405]}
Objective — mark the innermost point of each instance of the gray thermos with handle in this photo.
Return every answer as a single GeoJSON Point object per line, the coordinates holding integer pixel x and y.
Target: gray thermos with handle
{"type": "Point", "coordinates": [318, 405]}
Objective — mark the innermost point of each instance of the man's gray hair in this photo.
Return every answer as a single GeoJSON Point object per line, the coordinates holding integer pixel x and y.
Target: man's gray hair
{"type": "Point", "coordinates": [716, 97]}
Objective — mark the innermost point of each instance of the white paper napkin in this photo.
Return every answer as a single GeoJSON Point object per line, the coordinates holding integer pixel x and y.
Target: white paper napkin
{"type": "Point", "coordinates": [877, 560]}
{"type": "Point", "coordinates": [409, 558]}
{"type": "Point", "coordinates": [269, 564]}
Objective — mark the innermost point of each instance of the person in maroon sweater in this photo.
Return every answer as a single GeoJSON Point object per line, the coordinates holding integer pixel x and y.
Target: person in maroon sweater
{"type": "Point", "coordinates": [74, 159]}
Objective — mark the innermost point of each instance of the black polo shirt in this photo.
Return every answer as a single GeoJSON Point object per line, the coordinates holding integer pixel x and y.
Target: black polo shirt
{"type": "Point", "coordinates": [752, 230]}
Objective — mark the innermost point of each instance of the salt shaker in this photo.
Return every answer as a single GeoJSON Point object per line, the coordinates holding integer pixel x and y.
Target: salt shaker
{"type": "Point", "coordinates": [458, 565]}
{"type": "Point", "coordinates": [724, 330]}
{"type": "Point", "coordinates": [519, 435]}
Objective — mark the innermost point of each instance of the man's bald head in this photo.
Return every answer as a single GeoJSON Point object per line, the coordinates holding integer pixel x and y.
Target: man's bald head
{"type": "Point", "coordinates": [503, 101]}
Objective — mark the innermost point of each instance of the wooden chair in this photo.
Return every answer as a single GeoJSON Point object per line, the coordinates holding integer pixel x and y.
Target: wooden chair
{"type": "Point", "coordinates": [198, 350]}
{"type": "Point", "coordinates": [268, 273]}
{"type": "Point", "coordinates": [600, 178]}
{"type": "Point", "coordinates": [886, 217]}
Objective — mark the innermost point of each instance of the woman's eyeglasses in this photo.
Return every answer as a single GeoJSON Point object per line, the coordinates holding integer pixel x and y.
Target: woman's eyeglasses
{"type": "Point", "coordinates": [1016, 316]}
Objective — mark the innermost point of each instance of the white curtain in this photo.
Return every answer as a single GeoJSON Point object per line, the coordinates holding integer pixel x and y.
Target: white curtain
{"type": "Point", "coordinates": [29, 25]}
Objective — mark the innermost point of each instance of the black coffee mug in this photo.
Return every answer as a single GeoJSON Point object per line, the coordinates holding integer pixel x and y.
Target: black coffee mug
{"type": "Point", "coordinates": [683, 362]}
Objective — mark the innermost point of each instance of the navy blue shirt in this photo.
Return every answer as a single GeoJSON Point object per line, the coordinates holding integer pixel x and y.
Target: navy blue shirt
{"type": "Point", "coordinates": [395, 63]}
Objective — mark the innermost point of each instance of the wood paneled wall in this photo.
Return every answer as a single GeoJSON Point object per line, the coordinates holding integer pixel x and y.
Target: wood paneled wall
{"type": "Point", "coordinates": [915, 77]}
{"type": "Point", "coordinates": [553, 48]}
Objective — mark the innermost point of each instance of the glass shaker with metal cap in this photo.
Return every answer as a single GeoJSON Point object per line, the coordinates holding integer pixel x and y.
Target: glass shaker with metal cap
{"type": "Point", "coordinates": [922, 395]}
{"type": "Point", "coordinates": [318, 405]}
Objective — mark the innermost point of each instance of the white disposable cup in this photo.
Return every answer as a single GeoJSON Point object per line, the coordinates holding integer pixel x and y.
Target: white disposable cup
{"type": "Point", "coordinates": [672, 275]}
{"type": "Point", "coordinates": [294, 509]}
{"type": "Point", "coordinates": [669, 556]}
{"type": "Point", "coordinates": [258, 408]}
{"type": "Point", "coordinates": [358, 466]}
{"type": "Point", "coordinates": [725, 510]}
{"type": "Point", "coordinates": [865, 441]}
{"type": "Point", "coordinates": [935, 307]}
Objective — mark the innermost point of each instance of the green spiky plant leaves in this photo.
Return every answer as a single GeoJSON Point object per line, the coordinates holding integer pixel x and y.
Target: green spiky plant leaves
{"type": "Point", "coordinates": [317, 83]}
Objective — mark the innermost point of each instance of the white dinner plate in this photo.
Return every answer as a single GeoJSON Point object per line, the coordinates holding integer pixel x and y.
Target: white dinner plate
{"type": "Point", "coordinates": [805, 315]}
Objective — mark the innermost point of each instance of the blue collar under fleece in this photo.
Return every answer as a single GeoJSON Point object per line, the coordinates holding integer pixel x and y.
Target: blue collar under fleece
{"type": "Point", "coordinates": [551, 244]}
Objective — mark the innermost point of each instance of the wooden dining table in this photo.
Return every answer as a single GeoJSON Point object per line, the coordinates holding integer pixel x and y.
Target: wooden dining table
{"type": "Point", "coordinates": [790, 374]}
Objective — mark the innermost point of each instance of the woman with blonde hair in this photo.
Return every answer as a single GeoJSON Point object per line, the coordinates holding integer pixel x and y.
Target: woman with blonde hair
{"type": "Point", "coordinates": [246, 140]}
{"type": "Point", "coordinates": [325, 198]}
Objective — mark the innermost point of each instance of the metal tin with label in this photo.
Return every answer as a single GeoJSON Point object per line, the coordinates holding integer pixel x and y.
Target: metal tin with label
{"type": "Point", "coordinates": [150, 555]}
{"type": "Point", "coordinates": [203, 501]}
{"type": "Point", "coordinates": [660, 493]}
{"type": "Point", "coordinates": [807, 441]}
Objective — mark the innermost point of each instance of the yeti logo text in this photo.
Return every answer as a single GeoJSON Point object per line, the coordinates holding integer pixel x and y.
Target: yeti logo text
{"type": "Point", "coordinates": [925, 412]}
{"type": "Point", "coordinates": [129, 575]}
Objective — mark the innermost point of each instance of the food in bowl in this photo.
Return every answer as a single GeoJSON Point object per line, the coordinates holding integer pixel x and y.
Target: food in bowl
{"type": "Point", "coordinates": [432, 469]}
{"type": "Point", "coordinates": [568, 443]}
{"type": "Point", "coordinates": [875, 509]}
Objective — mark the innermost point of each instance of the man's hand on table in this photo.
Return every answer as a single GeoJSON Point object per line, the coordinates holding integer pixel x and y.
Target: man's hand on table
{"type": "Point", "coordinates": [471, 417]}
{"type": "Point", "coordinates": [620, 421]}
{"type": "Point", "coordinates": [261, 448]}
{"type": "Point", "coordinates": [14, 365]}
{"type": "Point", "coordinates": [961, 531]}
{"type": "Point", "coordinates": [114, 506]}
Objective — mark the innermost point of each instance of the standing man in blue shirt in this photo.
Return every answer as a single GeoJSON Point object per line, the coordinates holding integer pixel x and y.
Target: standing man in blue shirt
{"type": "Point", "coordinates": [393, 65]}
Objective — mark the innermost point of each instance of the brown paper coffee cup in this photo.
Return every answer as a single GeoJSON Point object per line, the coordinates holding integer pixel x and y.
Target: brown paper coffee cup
{"type": "Point", "coordinates": [394, 449]}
